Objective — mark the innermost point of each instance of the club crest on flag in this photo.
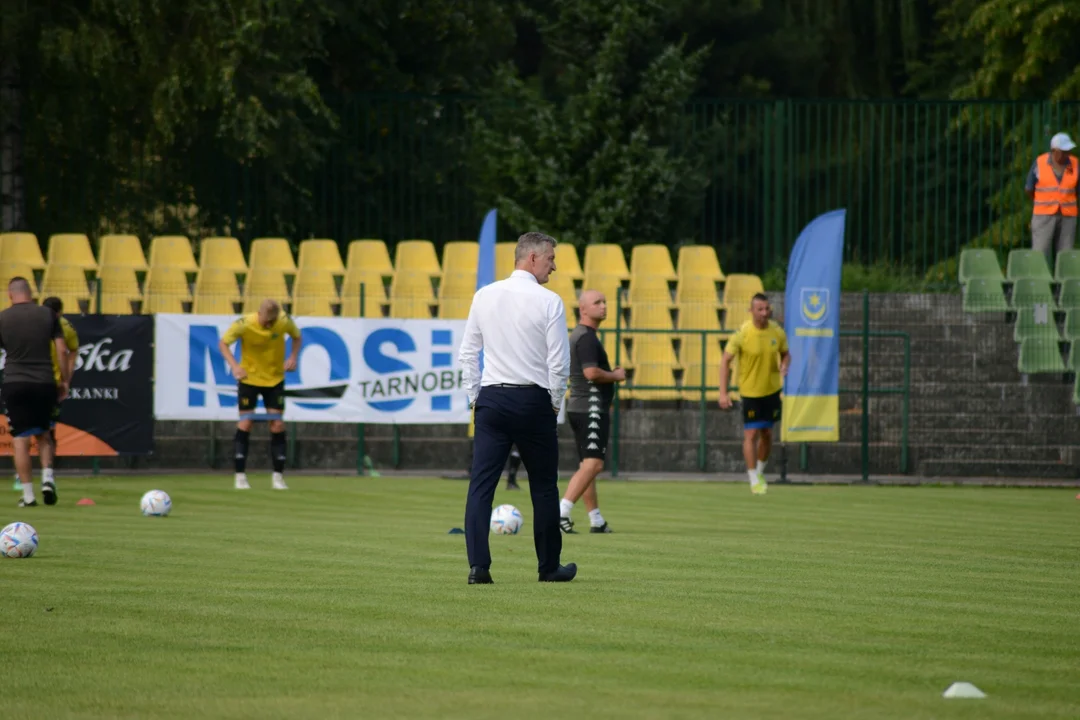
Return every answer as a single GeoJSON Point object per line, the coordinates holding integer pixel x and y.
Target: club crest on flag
{"type": "Point", "coordinates": [814, 303]}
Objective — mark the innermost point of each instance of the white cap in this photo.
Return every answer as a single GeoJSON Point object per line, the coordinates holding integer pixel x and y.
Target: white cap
{"type": "Point", "coordinates": [1062, 141]}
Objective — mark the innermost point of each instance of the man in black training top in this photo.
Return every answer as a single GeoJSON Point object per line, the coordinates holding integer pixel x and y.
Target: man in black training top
{"type": "Point", "coordinates": [29, 334]}
{"type": "Point", "coordinates": [588, 411]}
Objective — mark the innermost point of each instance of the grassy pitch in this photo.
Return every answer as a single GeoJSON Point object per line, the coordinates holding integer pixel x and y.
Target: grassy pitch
{"type": "Point", "coordinates": [346, 598]}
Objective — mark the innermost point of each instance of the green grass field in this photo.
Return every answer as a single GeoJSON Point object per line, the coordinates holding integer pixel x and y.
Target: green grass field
{"type": "Point", "coordinates": [346, 598]}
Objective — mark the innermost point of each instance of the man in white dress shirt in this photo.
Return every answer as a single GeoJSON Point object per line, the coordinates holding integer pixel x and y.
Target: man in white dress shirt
{"type": "Point", "coordinates": [521, 329]}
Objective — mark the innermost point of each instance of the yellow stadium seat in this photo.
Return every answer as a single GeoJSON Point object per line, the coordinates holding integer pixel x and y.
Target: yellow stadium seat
{"type": "Point", "coordinates": [567, 262]}
{"type": "Point", "coordinates": [699, 261]}
{"type": "Point", "coordinates": [119, 288]}
{"type": "Point", "coordinates": [563, 286]}
{"type": "Point", "coordinates": [694, 372]}
{"type": "Point", "coordinates": [651, 261]}
{"type": "Point", "coordinates": [321, 255]}
{"type": "Point", "coordinates": [216, 291]}
{"type": "Point", "coordinates": [222, 253]}
{"type": "Point", "coordinates": [9, 270]}
{"type": "Point", "coordinates": [167, 290]}
{"type": "Point", "coordinates": [21, 248]}
{"type": "Point", "coordinates": [69, 283]}
{"type": "Point", "coordinates": [462, 283]}
{"type": "Point", "coordinates": [263, 283]}
{"type": "Point", "coordinates": [411, 286]}
{"type": "Point", "coordinates": [738, 291]}
{"type": "Point", "coordinates": [649, 290]}
{"type": "Point", "coordinates": [455, 307]}
{"type": "Point", "coordinates": [417, 256]}
{"type": "Point", "coordinates": [504, 259]}
{"type": "Point", "coordinates": [173, 251]}
{"type": "Point", "coordinates": [610, 286]}
{"type": "Point", "coordinates": [650, 317]}
{"type": "Point", "coordinates": [606, 259]}
{"type": "Point", "coordinates": [376, 302]}
{"type": "Point", "coordinates": [121, 251]}
{"type": "Point", "coordinates": [72, 250]}
{"type": "Point", "coordinates": [412, 308]}
{"type": "Point", "coordinates": [272, 253]}
{"type": "Point", "coordinates": [461, 256]}
{"type": "Point", "coordinates": [315, 293]}
{"type": "Point", "coordinates": [653, 373]}
{"type": "Point", "coordinates": [369, 255]}
{"type": "Point", "coordinates": [697, 289]}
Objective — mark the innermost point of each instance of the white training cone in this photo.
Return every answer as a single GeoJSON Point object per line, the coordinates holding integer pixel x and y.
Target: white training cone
{"type": "Point", "coordinates": [964, 690]}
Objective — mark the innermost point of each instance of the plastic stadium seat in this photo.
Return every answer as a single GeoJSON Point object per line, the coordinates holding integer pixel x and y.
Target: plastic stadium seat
{"type": "Point", "coordinates": [262, 283]}
{"type": "Point", "coordinates": [375, 301]}
{"type": "Point", "coordinates": [1027, 264]}
{"type": "Point", "coordinates": [1072, 326]}
{"type": "Point", "coordinates": [738, 292]}
{"type": "Point", "coordinates": [21, 248]}
{"type": "Point", "coordinates": [504, 259]}
{"type": "Point", "coordinates": [1076, 390]}
{"type": "Point", "coordinates": [1070, 294]}
{"type": "Point", "coordinates": [369, 255]}
{"type": "Point", "coordinates": [9, 270]}
{"type": "Point", "coordinates": [314, 294]}
{"type": "Point", "coordinates": [167, 290]}
{"type": "Point", "coordinates": [1040, 355]}
{"type": "Point", "coordinates": [650, 317]}
{"type": "Point", "coordinates": [605, 259]}
{"type": "Point", "coordinates": [610, 286]}
{"type": "Point", "coordinates": [216, 291]}
{"type": "Point", "coordinates": [651, 261]}
{"type": "Point", "coordinates": [1067, 266]}
{"type": "Point", "coordinates": [651, 290]}
{"type": "Point", "coordinates": [458, 284]}
{"type": "Point", "coordinates": [657, 374]}
{"type": "Point", "coordinates": [563, 286]}
{"type": "Point", "coordinates": [221, 253]}
{"type": "Point", "coordinates": [172, 251]}
{"type": "Point", "coordinates": [455, 307]}
{"type": "Point", "coordinates": [567, 262]}
{"type": "Point", "coordinates": [1029, 292]}
{"type": "Point", "coordinates": [272, 253]}
{"type": "Point", "coordinates": [67, 282]}
{"type": "Point", "coordinates": [119, 288]}
{"type": "Point", "coordinates": [699, 261]}
{"type": "Point", "coordinates": [1072, 364]}
{"type": "Point", "coordinates": [411, 308]}
{"type": "Point", "coordinates": [1027, 325]}
{"type": "Point", "coordinates": [695, 372]}
{"type": "Point", "coordinates": [121, 251]}
{"type": "Point", "coordinates": [460, 256]}
{"type": "Point", "coordinates": [411, 285]}
{"type": "Point", "coordinates": [72, 250]}
{"type": "Point", "coordinates": [697, 289]}
{"type": "Point", "coordinates": [982, 295]}
{"type": "Point", "coordinates": [321, 255]}
{"type": "Point", "coordinates": [979, 263]}
{"type": "Point", "coordinates": [416, 256]}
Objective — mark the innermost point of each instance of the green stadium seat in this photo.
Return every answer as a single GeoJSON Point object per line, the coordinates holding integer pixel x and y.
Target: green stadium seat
{"type": "Point", "coordinates": [1070, 294]}
{"type": "Point", "coordinates": [1028, 292]}
{"type": "Point", "coordinates": [1040, 355]}
{"type": "Point", "coordinates": [1067, 266]}
{"type": "Point", "coordinates": [981, 295]}
{"type": "Point", "coordinates": [1076, 390]}
{"type": "Point", "coordinates": [1072, 325]}
{"type": "Point", "coordinates": [1028, 325]}
{"type": "Point", "coordinates": [979, 263]}
{"type": "Point", "coordinates": [1027, 264]}
{"type": "Point", "coordinates": [1074, 358]}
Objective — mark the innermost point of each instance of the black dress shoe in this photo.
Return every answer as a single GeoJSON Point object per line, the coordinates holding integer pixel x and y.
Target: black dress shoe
{"type": "Point", "coordinates": [602, 529]}
{"type": "Point", "coordinates": [480, 576]}
{"type": "Point", "coordinates": [565, 573]}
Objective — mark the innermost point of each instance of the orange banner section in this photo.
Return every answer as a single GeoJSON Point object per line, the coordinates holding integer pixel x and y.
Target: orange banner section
{"type": "Point", "coordinates": [69, 441]}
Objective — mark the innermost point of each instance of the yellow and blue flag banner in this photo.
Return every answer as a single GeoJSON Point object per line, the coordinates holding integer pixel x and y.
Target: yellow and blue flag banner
{"type": "Point", "coordinates": [812, 322]}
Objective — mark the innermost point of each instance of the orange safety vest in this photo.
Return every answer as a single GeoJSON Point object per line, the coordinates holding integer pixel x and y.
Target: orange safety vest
{"type": "Point", "coordinates": [1051, 194]}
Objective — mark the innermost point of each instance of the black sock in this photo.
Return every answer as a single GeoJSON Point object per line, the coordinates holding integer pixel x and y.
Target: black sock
{"type": "Point", "coordinates": [240, 449]}
{"type": "Point", "coordinates": [515, 463]}
{"type": "Point", "coordinates": [277, 451]}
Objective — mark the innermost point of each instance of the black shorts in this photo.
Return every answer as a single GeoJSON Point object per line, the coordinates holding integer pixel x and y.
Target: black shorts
{"type": "Point", "coordinates": [273, 397]}
{"type": "Point", "coordinates": [761, 412]}
{"type": "Point", "coordinates": [29, 407]}
{"type": "Point", "coordinates": [591, 433]}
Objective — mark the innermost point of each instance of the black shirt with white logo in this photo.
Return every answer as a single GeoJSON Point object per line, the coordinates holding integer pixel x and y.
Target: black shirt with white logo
{"type": "Point", "coordinates": [587, 351]}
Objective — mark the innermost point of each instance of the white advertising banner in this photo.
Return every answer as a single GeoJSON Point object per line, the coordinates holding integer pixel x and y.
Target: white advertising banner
{"type": "Point", "coordinates": [380, 371]}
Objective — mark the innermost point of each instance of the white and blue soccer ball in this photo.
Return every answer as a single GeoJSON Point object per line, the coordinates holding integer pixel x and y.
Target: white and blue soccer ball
{"type": "Point", "coordinates": [18, 540]}
{"type": "Point", "coordinates": [506, 520]}
{"type": "Point", "coordinates": [155, 503]}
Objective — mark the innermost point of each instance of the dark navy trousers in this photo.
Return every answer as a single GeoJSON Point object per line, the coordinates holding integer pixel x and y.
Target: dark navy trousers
{"type": "Point", "coordinates": [522, 416]}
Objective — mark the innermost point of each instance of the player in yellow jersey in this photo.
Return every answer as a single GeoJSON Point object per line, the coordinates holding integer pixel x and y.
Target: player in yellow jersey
{"type": "Point", "coordinates": [261, 372]}
{"type": "Point", "coordinates": [762, 350]}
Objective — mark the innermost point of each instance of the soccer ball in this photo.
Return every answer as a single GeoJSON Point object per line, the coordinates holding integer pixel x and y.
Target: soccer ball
{"type": "Point", "coordinates": [18, 540]}
{"type": "Point", "coordinates": [156, 503]}
{"type": "Point", "coordinates": [506, 520]}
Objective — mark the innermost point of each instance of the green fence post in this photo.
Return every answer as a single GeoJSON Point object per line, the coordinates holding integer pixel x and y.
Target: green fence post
{"type": "Point", "coordinates": [905, 402]}
{"type": "Point", "coordinates": [397, 447]}
{"type": "Point", "coordinates": [615, 398]}
{"type": "Point", "coordinates": [211, 457]}
{"type": "Point", "coordinates": [290, 448]}
{"type": "Point", "coordinates": [361, 449]}
{"type": "Point", "coordinates": [866, 388]}
{"type": "Point", "coordinates": [702, 434]}
{"type": "Point", "coordinates": [804, 457]}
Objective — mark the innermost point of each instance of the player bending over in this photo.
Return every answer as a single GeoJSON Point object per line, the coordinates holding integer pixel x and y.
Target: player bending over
{"type": "Point", "coordinates": [762, 349]}
{"type": "Point", "coordinates": [261, 371]}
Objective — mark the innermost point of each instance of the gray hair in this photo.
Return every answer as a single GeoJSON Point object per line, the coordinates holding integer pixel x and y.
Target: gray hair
{"type": "Point", "coordinates": [531, 242]}
{"type": "Point", "coordinates": [19, 286]}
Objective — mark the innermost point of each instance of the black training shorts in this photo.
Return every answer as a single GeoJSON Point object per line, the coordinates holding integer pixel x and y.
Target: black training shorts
{"type": "Point", "coordinates": [29, 407]}
{"type": "Point", "coordinates": [591, 433]}
{"type": "Point", "coordinates": [761, 412]}
{"type": "Point", "coordinates": [248, 397]}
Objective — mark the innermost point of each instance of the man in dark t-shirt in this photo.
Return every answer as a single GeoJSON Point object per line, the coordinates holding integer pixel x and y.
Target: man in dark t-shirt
{"type": "Point", "coordinates": [30, 391]}
{"type": "Point", "coordinates": [592, 388]}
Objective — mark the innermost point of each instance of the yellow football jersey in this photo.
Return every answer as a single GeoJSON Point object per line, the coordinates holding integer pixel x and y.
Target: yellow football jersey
{"type": "Point", "coordinates": [262, 350]}
{"type": "Point", "coordinates": [758, 353]}
{"type": "Point", "coordinates": [71, 339]}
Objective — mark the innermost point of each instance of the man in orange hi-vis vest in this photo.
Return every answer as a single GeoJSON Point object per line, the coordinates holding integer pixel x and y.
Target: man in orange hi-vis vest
{"type": "Point", "coordinates": [1051, 184]}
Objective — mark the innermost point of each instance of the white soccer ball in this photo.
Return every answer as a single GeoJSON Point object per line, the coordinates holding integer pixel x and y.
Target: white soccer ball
{"type": "Point", "coordinates": [506, 520]}
{"type": "Point", "coordinates": [18, 540]}
{"type": "Point", "coordinates": [156, 503]}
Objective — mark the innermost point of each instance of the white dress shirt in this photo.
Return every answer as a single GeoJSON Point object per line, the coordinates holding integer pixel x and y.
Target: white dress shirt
{"type": "Point", "coordinates": [521, 327]}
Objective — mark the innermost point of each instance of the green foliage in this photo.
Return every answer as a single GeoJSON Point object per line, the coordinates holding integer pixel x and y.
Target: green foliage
{"type": "Point", "coordinates": [877, 278]}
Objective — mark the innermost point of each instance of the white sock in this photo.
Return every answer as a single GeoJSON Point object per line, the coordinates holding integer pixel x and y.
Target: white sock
{"type": "Point", "coordinates": [47, 476]}
{"type": "Point", "coordinates": [595, 518]}
{"type": "Point", "coordinates": [761, 467]}
{"type": "Point", "coordinates": [565, 506]}
{"type": "Point", "coordinates": [28, 492]}
{"type": "Point", "coordinates": [278, 477]}
{"type": "Point", "coordinates": [753, 476]}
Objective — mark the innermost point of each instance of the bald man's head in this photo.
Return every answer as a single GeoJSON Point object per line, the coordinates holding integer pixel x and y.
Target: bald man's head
{"type": "Point", "coordinates": [19, 290]}
{"type": "Point", "coordinates": [269, 311]}
{"type": "Point", "coordinates": [592, 305]}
